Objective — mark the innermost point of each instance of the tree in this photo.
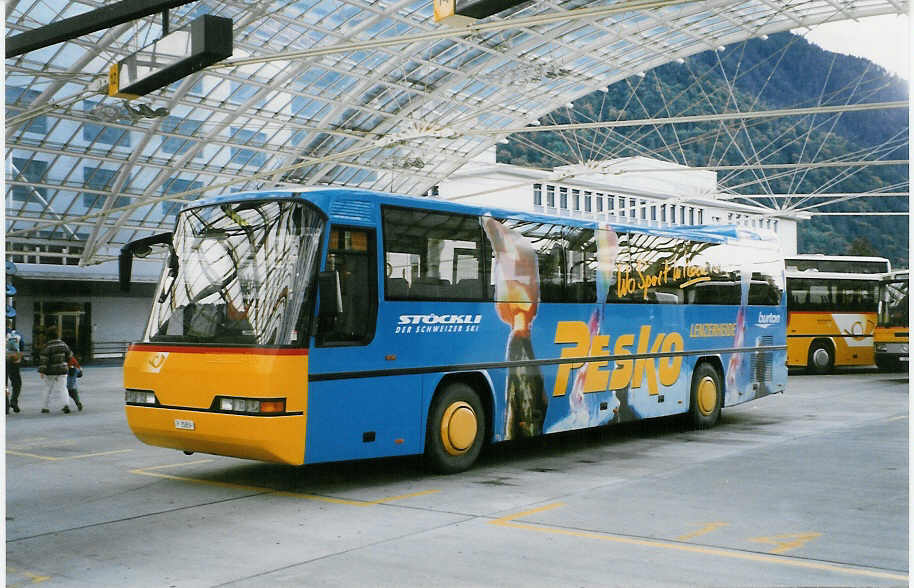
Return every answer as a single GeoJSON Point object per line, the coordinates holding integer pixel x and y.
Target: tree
{"type": "Point", "coordinates": [861, 246]}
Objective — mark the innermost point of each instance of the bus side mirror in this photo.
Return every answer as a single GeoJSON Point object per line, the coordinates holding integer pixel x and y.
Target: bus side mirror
{"type": "Point", "coordinates": [331, 297]}
{"type": "Point", "coordinates": [142, 248]}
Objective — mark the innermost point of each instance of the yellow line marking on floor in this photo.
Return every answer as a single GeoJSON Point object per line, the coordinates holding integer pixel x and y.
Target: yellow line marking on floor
{"type": "Point", "coordinates": [796, 540]}
{"type": "Point", "coordinates": [898, 418]}
{"type": "Point", "coordinates": [97, 454]}
{"type": "Point", "coordinates": [509, 521]}
{"type": "Point", "coordinates": [39, 442]}
{"type": "Point", "coordinates": [35, 578]}
{"type": "Point", "coordinates": [316, 497]}
{"type": "Point", "coordinates": [404, 496]}
{"type": "Point", "coordinates": [176, 465]}
{"type": "Point", "coordinates": [35, 455]}
{"type": "Point", "coordinates": [509, 518]}
{"type": "Point", "coordinates": [49, 458]}
{"type": "Point", "coordinates": [708, 527]}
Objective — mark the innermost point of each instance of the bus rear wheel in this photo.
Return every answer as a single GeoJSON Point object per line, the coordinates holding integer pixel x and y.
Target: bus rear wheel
{"type": "Point", "coordinates": [821, 358]}
{"type": "Point", "coordinates": [456, 429]}
{"type": "Point", "coordinates": [706, 397]}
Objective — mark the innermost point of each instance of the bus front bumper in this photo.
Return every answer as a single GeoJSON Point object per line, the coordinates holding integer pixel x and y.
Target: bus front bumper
{"type": "Point", "coordinates": [278, 439]}
{"type": "Point", "coordinates": [896, 351]}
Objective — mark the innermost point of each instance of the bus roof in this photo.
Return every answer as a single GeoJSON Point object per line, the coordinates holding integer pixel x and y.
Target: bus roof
{"type": "Point", "coordinates": [824, 257]}
{"type": "Point", "coordinates": [333, 200]}
{"type": "Point", "coordinates": [894, 275]}
{"type": "Point", "coordinates": [816, 275]}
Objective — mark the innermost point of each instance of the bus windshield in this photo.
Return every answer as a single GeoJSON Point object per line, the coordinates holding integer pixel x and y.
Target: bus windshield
{"type": "Point", "coordinates": [893, 304]}
{"type": "Point", "coordinates": [244, 269]}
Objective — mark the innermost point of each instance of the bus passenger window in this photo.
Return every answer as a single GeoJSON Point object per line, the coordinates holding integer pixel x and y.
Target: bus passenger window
{"type": "Point", "coordinates": [432, 255]}
{"type": "Point", "coordinates": [352, 255]}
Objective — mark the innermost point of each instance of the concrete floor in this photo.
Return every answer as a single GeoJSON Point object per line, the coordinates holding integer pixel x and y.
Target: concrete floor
{"type": "Point", "coordinates": [806, 488]}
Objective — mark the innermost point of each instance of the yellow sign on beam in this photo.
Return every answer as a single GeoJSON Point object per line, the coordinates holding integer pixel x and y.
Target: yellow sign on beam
{"type": "Point", "coordinates": [446, 13]}
{"type": "Point", "coordinates": [114, 81]}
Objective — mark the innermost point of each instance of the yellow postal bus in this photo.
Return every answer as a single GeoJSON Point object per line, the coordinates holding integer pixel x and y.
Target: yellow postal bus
{"type": "Point", "coordinates": [891, 335]}
{"type": "Point", "coordinates": [830, 319]}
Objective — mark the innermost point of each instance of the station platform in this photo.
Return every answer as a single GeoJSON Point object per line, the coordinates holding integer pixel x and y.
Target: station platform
{"type": "Point", "coordinates": [805, 488]}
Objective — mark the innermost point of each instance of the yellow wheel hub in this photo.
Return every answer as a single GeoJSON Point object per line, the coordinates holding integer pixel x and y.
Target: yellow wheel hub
{"type": "Point", "coordinates": [707, 396]}
{"type": "Point", "coordinates": [458, 428]}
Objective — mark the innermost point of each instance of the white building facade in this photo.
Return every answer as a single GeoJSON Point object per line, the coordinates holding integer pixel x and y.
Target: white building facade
{"type": "Point", "coordinates": [628, 190]}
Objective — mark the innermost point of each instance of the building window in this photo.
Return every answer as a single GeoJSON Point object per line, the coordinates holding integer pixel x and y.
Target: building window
{"type": "Point", "coordinates": [537, 194]}
{"type": "Point", "coordinates": [643, 205]}
{"type": "Point", "coordinates": [576, 199]}
{"type": "Point", "coordinates": [97, 178]}
{"type": "Point", "coordinates": [176, 186]}
{"type": "Point", "coordinates": [691, 215]}
{"type": "Point", "coordinates": [599, 199]}
{"type": "Point", "coordinates": [563, 198]}
{"type": "Point", "coordinates": [701, 216]}
{"type": "Point", "coordinates": [775, 225]}
{"type": "Point", "coordinates": [180, 126]}
{"type": "Point", "coordinates": [653, 212]}
{"type": "Point", "coordinates": [621, 205]}
{"type": "Point", "coordinates": [243, 156]}
{"type": "Point", "coordinates": [550, 196]}
{"type": "Point", "coordinates": [94, 133]}
{"type": "Point", "coordinates": [31, 171]}
{"type": "Point", "coordinates": [610, 203]}
{"type": "Point", "coordinates": [587, 202]}
{"type": "Point", "coordinates": [24, 98]}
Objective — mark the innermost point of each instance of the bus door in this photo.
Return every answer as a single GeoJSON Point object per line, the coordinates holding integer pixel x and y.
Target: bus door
{"type": "Point", "coordinates": [351, 416]}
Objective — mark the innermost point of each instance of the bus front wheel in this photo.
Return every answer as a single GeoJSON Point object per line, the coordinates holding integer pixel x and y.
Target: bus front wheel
{"type": "Point", "coordinates": [821, 358]}
{"type": "Point", "coordinates": [707, 396]}
{"type": "Point", "coordinates": [456, 427]}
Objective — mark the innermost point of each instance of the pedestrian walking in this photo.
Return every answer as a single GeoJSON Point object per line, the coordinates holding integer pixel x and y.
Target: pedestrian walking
{"type": "Point", "coordinates": [13, 360]}
{"type": "Point", "coordinates": [74, 371]}
{"type": "Point", "coordinates": [52, 365]}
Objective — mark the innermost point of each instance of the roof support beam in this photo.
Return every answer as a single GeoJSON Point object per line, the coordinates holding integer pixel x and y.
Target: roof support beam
{"type": "Point", "coordinates": [83, 24]}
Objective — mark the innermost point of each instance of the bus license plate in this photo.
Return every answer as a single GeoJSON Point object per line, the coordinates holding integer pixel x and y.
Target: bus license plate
{"type": "Point", "coordinates": [183, 424]}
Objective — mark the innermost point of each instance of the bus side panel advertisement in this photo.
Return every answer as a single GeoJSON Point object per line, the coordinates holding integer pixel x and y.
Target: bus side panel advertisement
{"type": "Point", "coordinates": [533, 397]}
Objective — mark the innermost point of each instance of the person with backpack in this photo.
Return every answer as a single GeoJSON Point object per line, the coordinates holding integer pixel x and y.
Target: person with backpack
{"type": "Point", "coordinates": [53, 365]}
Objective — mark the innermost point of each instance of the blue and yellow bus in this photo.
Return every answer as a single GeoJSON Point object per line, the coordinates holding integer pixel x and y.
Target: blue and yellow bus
{"type": "Point", "coordinates": [336, 324]}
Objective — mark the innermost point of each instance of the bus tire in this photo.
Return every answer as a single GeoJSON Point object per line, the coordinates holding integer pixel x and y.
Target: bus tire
{"type": "Point", "coordinates": [706, 397]}
{"type": "Point", "coordinates": [821, 358]}
{"type": "Point", "coordinates": [456, 429]}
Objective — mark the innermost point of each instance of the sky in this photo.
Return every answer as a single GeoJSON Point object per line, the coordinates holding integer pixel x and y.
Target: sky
{"type": "Point", "coordinates": [885, 40]}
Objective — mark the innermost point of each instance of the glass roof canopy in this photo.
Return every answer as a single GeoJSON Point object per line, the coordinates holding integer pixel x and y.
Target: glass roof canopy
{"type": "Point", "coordinates": [342, 92]}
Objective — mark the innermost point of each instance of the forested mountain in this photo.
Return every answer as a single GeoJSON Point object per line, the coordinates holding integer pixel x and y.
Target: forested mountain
{"type": "Point", "coordinates": [782, 71]}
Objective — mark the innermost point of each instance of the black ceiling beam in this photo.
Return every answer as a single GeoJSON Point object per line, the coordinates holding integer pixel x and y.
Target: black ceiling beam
{"type": "Point", "coordinates": [89, 22]}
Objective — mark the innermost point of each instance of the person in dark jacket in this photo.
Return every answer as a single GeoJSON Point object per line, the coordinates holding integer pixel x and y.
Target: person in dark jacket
{"type": "Point", "coordinates": [52, 365]}
{"type": "Point", "coordinates": [75, 371]}
{"type": "Point", "coordinates": [13, 359]}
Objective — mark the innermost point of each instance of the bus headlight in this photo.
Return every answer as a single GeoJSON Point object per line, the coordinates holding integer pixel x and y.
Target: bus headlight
{"type": "Point", "coordinates": [249, 405]}
{"type": "Point", "coordinates": [881, 347]}
{"type": "Point", "coordinates": [139, 397]}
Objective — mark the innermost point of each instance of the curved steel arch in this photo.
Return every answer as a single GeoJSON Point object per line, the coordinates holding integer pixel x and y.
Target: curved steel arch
{"type": "Point", "coordinates": [348, 92]}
